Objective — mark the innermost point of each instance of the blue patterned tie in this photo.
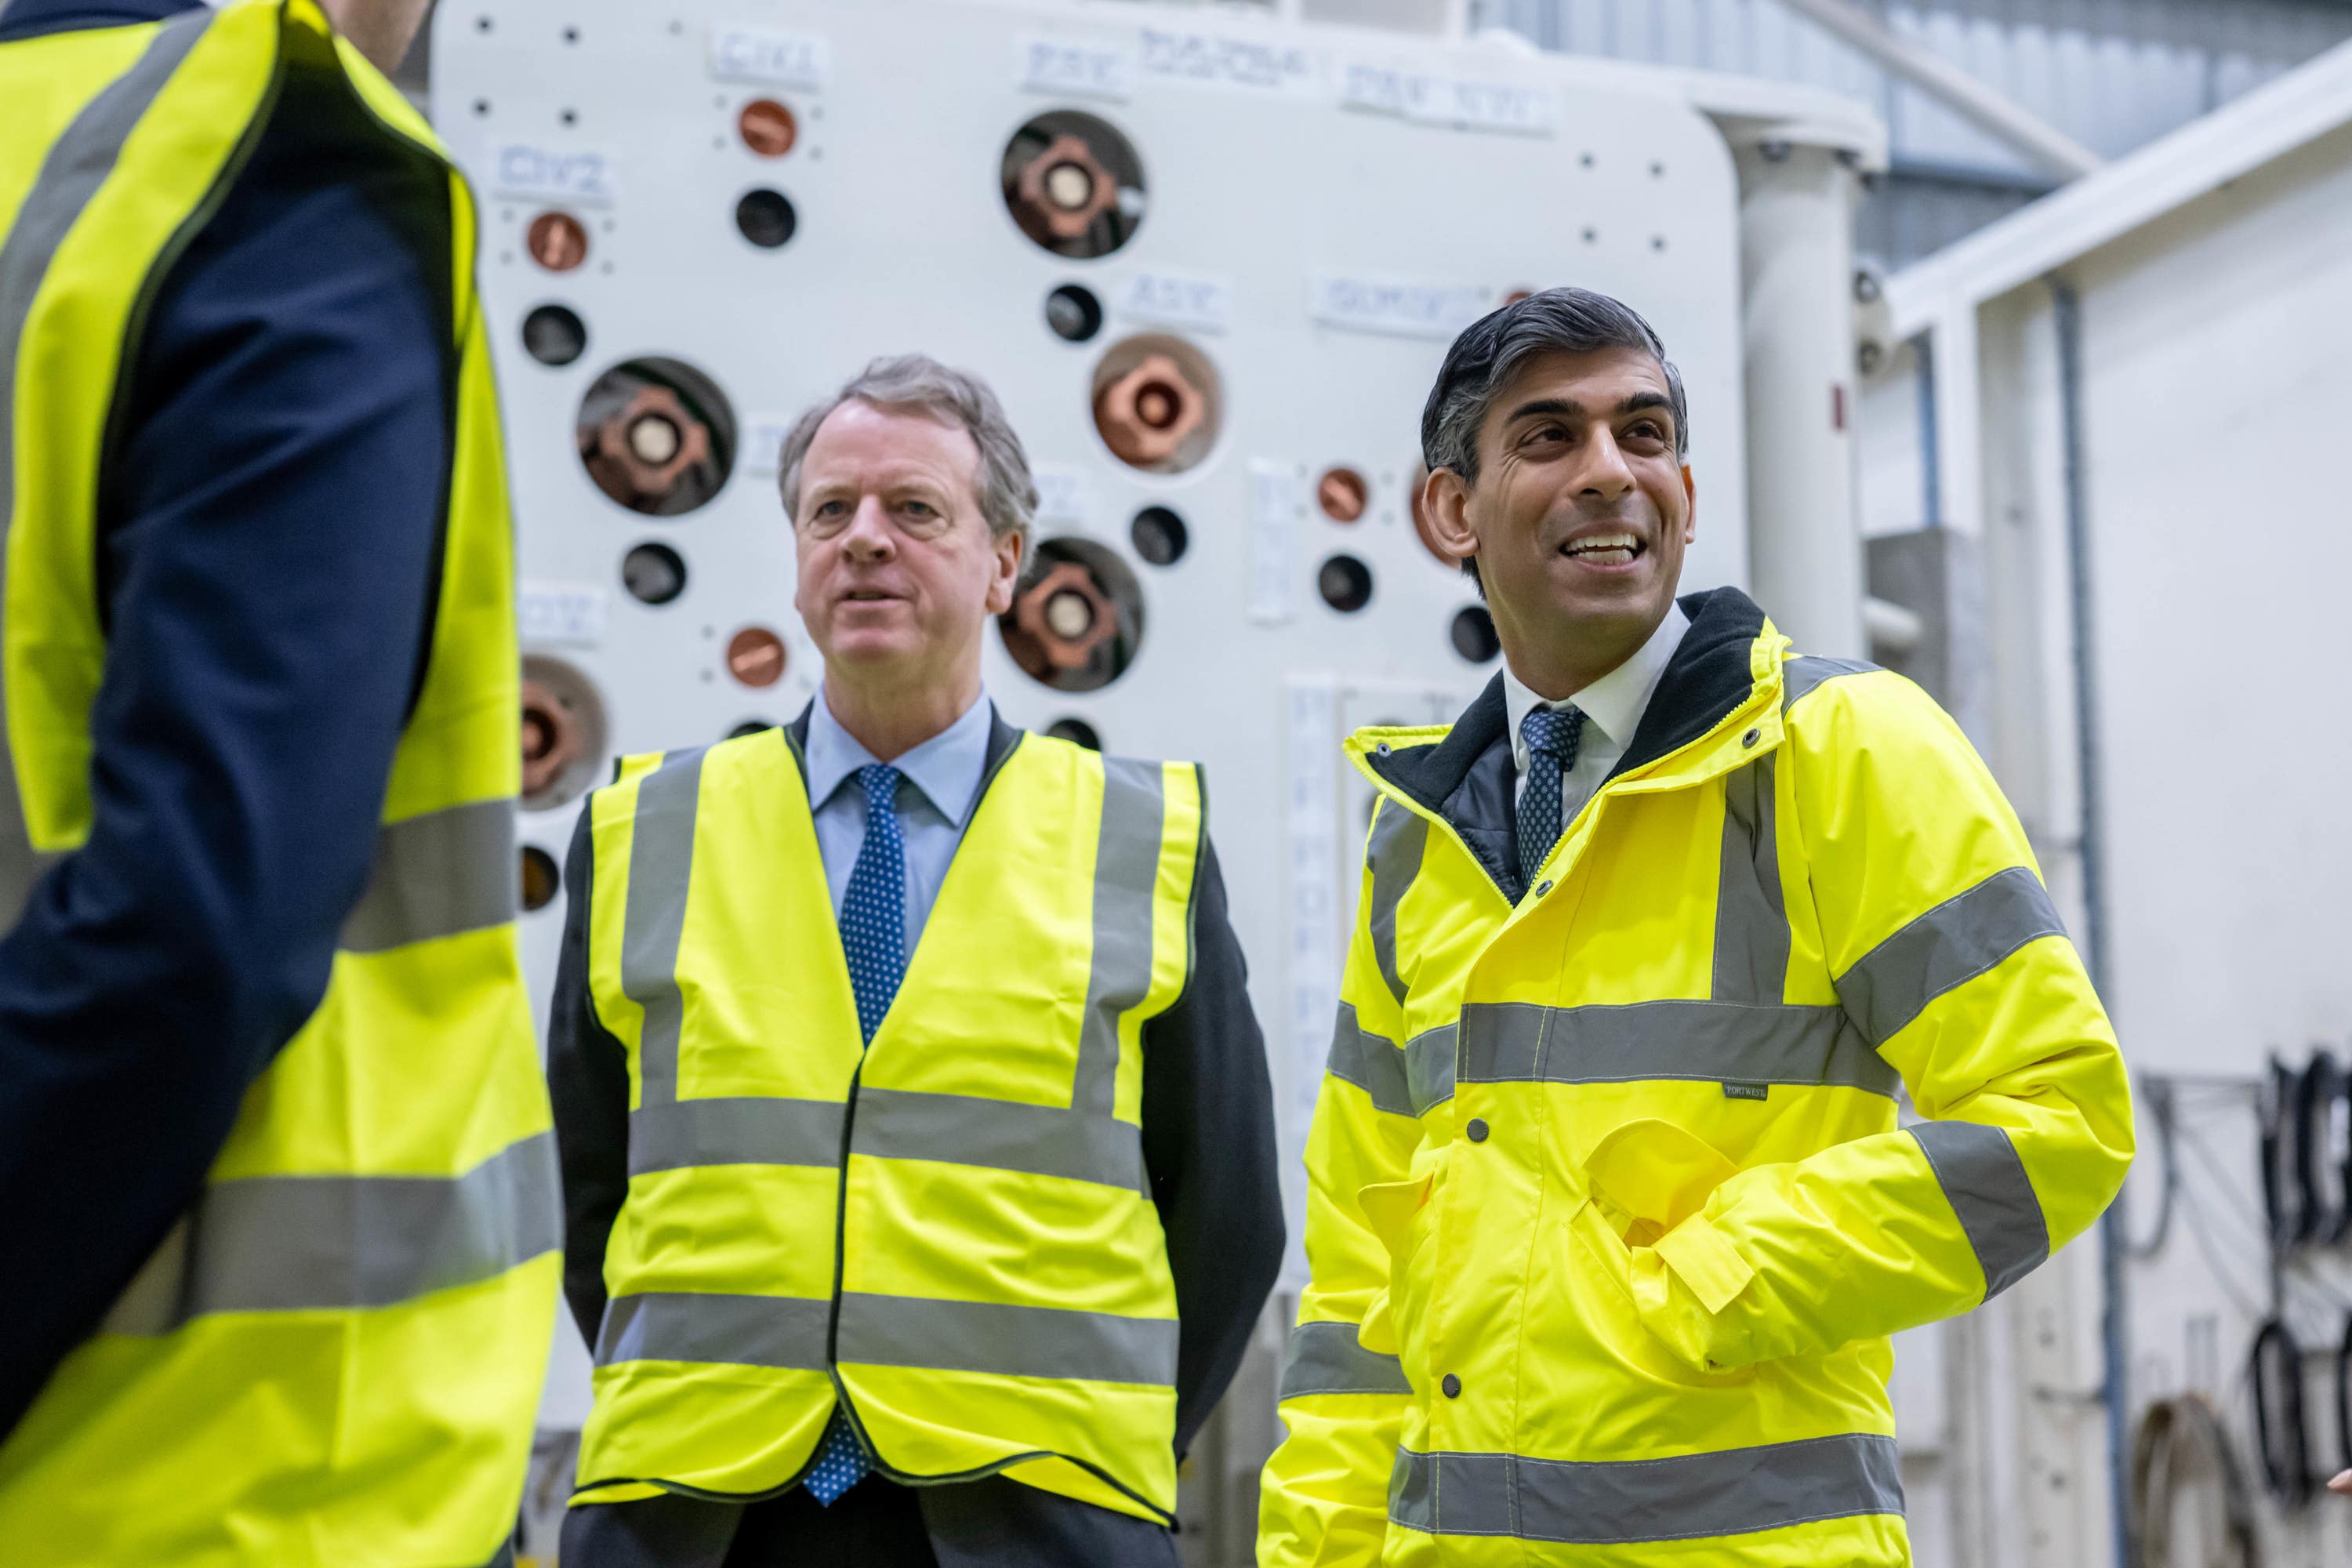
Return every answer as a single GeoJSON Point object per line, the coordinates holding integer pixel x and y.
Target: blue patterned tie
{"type": "Point", "coordinates": [874, 940]}
{"type": "Point", "coordinates": [1551, 734]}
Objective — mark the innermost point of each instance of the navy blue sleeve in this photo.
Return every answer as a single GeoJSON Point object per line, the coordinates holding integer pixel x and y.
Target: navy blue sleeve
{"type": "Point", "coordinates": [588, 1081]}
{"type": "Point", "coordinates": [1208, 1143]}
{"type": "Point", "coordinates": [271, 524]}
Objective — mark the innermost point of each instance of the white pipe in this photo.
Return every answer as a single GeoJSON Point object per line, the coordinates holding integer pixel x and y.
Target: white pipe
{"type": "Point", "coordinates": [1796, 267]}
{"type": "Point", "coordinates": [1989, 110]}
{"type": "Point", "coordinates": [1894, 629]}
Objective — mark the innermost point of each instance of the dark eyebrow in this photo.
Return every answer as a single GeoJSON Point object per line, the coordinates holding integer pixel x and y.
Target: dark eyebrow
{"type": "Point", "coordinates": [1642, 400]}
{"type": "Point", "coordinates": [1557, 407]}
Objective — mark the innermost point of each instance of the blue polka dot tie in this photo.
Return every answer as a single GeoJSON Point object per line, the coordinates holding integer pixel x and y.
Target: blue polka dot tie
{"type": "Point", "coordinates": [874, 940]}
{"type": "Point", "coordinates": [1551, 734]}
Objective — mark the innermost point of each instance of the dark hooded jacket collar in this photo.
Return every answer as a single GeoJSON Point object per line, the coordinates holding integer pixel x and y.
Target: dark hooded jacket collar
{"type": "Point", "coordinates": [1469, 777]}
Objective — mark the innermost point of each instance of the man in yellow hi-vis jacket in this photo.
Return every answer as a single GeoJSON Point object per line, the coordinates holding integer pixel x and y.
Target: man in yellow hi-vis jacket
{"type": "Point", "coordinates": [1609, 1217]}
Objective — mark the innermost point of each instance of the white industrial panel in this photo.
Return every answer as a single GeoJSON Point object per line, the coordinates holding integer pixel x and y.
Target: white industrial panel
{"type": "Point", "coordinates": [1322, 209]}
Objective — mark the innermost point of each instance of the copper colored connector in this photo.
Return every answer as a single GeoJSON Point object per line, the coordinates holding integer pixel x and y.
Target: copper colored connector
{"type": "Point", "coordinates": [1145, 415]}
{"type": "Point", "coordinates": [643, 451]}
{"type": "Point", "coordinates": [1066, 616]}
{"type": "Point", "coordinates": [767, 128]}
{"type": "Point", "coordinates": [1066, 188]}
{"type": "Point", "coordinates": [755, 655]}
{"type": "Point", "coordinates": [556, 241]}
{"type": "Point", "coordinates": [1342, 494]}
{"type": "Point", "coordinates": [550, 738]}
{"type": "Point", "coordinates": [1516, 295]}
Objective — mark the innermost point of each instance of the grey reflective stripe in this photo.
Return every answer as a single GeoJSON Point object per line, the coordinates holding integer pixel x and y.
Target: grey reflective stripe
{"type": "Point", "coordinates": [1399, 839]}
{"type": "Point", "coordinates": [1979, 1172]}
{"type": "Point", "coordinates": [737, 1330]}
{"type": "Point", "coordinates": [1000, 1134]}
{"type": "Point", "coordinates": [1404, 1082]}
{"type": "Point", "coordinates": [1127, 876]}
{"type": "Point", "coordinates": [1948, 946]}
{"type": "Point", "coordinates": [747, 1131]}
{"type": "Point", "coordinates": [1800, 675]}
{"type": "Point", "coordinates": [77, 165]}
{"type": "Point", "coordinates": [291, 1243]}
{"type": "Point", "coordinates": [1429, 1065]}
{"type": "Point", "coordinates": [1371, 1062]}
{"type": "Point", "coordinates": [1751, 928]}
{"type": "Point", "coordinates": [437, 874]}
{"type": "Point", "coordinates": [1634, 1042]}
{"type": "Point", "coordinates": [1008, 1340]}
{"type": "Point", "coordinates": [1732, 1492]}
{"type": "Point", "coordinates": [1327, 1358]}
{"type": "Point", "coordinates": [661, 864]}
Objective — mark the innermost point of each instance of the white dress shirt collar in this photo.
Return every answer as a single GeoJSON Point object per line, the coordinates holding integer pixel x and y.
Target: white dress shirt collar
{"type": "Point", "coordinates": [1615, 704]}
{"type": "Point", "coordinates": [947, 767]}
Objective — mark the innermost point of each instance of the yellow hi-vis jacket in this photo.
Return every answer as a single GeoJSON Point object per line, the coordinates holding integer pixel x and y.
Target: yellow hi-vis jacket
{"type": "Point", "coordinates": [336, 1357]}
{"type": "Point", "coordinates": [947, 1233]}
{"type": "Point", "coordinates": [1608, 1214]}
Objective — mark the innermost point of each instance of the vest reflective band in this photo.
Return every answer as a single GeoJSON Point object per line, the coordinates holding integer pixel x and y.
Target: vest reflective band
{"type": "Point", "coordinates": [336, 1356]}
{"type": "Point", "coordinates": [952, 1227]}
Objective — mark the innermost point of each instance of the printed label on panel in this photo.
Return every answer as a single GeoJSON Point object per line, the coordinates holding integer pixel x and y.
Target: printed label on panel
{"type": "Point", "coordinates": [770, 58]}
{"type": "Point", "coordinates": [1085, 67]}
{"type": "Point", "coordinates": [1202, 302]}
{"type": "Point", "coordinates": [551, 174]}
{"type": "Point", "coordinates": [1209, 59]}
{"type": "Point", "coordinates": [1395, 306]}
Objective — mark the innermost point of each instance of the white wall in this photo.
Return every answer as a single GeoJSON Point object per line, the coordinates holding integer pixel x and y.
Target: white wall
{"type": "Point", "coordinates": [2217, 394]}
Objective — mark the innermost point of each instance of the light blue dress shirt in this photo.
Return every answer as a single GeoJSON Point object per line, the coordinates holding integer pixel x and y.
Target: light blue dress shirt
{"type": "Point", "coordinates": [938, 787]}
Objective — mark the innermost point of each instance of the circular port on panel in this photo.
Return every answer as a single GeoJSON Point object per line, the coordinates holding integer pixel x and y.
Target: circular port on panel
{"type": "Point", "coordinates": [562, 733]}
{"type": "Point", "coordinates": [1514, 296]}
{"type": "Point", "coordinates": [541, 879]}
{"type": "Point", "coordinates": [652, 573]}
{"type": "Point", "coordinates": [755, 655]}
{"type": "Point", "coordinates": [1074, 313]}
{"type": "Point", "coordinates": [1473, 635]}
{"type": "Point", "coordinates": [1342, 494]}
{"type": "Point", "coordinates": [1078, 620]}
{"type": "Point", "coordinates": [1158, 535]}
{"type": "Point", "coordinates": [1158, 403]}
{"type": "Point", "coordinates": [555, 334]}
{"type": "Point", "coordinates": [767, 128]}
{"type": "Point", "coordinates": [556, 241]}
{"type": "Point", "coordinates": [1344, 583]}
{"type": "Point", "coordinates": [657, 436]}
{"type": "Point", "coordinates": [766, 218]}
{"type": "Point", "coordinates": [1077, 732]}
{"type": "Point", "coordinates": [749, 727]}
{"type": "Point", "coordinates": [1074, 184]}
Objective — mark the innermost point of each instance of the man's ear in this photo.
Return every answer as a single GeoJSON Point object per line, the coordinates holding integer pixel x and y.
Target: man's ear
{"type": "Point", "coordinates": [1007, 550]}
{"type": "Point", "coordinates": [1690, 494]}
{"type": "Point", "coordinates": [1444, 503]}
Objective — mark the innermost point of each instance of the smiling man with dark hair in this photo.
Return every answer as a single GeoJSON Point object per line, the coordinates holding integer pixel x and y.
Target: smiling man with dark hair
{"type": "Point", "coordinates": [1608, 1214]}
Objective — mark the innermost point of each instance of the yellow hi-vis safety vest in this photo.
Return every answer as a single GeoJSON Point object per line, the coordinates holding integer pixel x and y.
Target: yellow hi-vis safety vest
{"type": "Point", "coordinates": [336, 1357]}
{"type": "Point", "coordinates": [948, 1233]}
{"type": "Point", "coordinates": [1610, 1216]}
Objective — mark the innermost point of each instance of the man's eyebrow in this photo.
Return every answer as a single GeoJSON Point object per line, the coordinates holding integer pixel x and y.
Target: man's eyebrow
{"type": "Point", "coordinates": [1642, 400]}
{"type": "Point", "coordinates": [1557, 407]}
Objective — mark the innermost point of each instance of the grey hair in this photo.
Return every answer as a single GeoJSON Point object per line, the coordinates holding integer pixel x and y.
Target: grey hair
{"type": "Point", "coordinates": [1008, 493]}
{"type": "Point", "coordinates": [1498, 346]}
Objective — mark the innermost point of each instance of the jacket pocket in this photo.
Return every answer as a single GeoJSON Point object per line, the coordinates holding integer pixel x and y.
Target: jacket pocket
{"type": "Point", "coordinates": [1404, 1215]}
{"type": "Point", "coordinates": [1646, 1228]}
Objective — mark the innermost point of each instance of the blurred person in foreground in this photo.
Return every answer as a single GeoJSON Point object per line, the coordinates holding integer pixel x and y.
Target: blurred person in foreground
{"type": "Point", "coordinates": [283, 1240]}
{"type": "Point", "coordinates": [1610, 1216]}
{"type": "Point", "coordinates": [917, 1143]}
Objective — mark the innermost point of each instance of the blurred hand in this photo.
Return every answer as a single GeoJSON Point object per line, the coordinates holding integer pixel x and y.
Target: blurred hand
{"type": "Point", "coordinates": [2341, 1483]}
